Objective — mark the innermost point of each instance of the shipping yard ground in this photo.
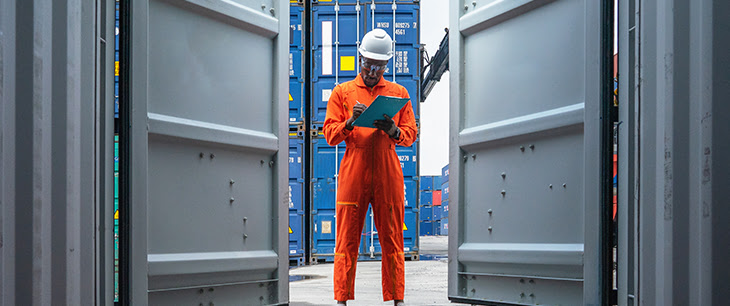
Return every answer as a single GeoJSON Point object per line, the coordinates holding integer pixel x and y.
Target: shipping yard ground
{"type": "Point", "coordinates": [426, 282]}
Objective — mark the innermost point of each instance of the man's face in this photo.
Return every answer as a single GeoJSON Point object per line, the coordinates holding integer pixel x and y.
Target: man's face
{"type": "Point", "coordinates": [371, 71]}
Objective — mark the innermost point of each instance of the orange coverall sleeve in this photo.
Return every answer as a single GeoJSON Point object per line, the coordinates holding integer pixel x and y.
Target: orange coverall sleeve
{"type": "Point", "coordinates": [407, 124]}
{"type": "Point", "coordinates": [334, 123]}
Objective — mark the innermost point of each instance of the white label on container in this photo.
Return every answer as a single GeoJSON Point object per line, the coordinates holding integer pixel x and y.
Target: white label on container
{"type": "Point", "coordinates": [407, 249]}
{"type": "Point", "coordinates": [326, 93]}
{"type": "Point", "coordinates": [326, 227]}
{"type": "Point", "coordinates": [326, 47]}
{"type": "Point", "coordinates": [291, 64]}
{"type": "Point", "coordinates": [292, 251]}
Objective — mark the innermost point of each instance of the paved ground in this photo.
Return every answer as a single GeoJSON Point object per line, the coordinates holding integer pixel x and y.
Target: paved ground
{"type": "Point", "coordinates": [426, 282]}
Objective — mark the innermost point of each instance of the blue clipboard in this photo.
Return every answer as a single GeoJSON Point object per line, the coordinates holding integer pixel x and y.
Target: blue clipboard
{"type": "Point", "coordinates": [382, 105]}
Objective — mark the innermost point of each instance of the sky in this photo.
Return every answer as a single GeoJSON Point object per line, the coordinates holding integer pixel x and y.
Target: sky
{"type": "Point", "coordinates": [435, 110]}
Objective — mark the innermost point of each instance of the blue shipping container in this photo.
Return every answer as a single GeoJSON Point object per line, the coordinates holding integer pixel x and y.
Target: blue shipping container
{"type": "Point", "coordinates": [426, 198]}
{"type": "Point", "coordinates": [445, 210]}
{"type": "Point", "coordinates": [296, 196]}
{"type": "Point", "coordinates": [426, 183]}
{"type": "Point", "coordinates": [296, 79]}
{"type": "Point", "coordinates": [410, 192]}
{"type": "Point", "coordinates": [445, 174]}
{"type": "Point", "coordinates": [410, 236]}
{"type": "Point", "coordinates": [323, 159]}
{"type": "Point", "coordinates": [323, 219]}
{"type": "Point", "coordinates": [445, 226]}
{"type": "Point", "coordinates": [426, 213]}
{"type": "Point", "coordinates": [444, 191]}
{"type": "Point", "coordinates": [335, 37]}
{"type": "Point", "coordinates": [437, 211]}
{"type": "Point", "coordinates": [437, 227]}
{"type": "Point", "coordinates": [296, 235]}
{"type": "Point", "coordinates": [436, 183]}
{"type": "Point", "coordinates": [296, 149]}
{"type": "Point", "coordinates": [426, 228]}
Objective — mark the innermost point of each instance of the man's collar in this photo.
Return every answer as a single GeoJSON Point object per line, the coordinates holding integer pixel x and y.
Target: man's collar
{"type": "Point", "coordinates": [360, 82]}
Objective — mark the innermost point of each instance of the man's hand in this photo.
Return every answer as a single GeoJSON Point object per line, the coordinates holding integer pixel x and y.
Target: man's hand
{"type": "Point", "coordinates": [388, 126]}
{"type": "Point", "coordinates": [356, 111]}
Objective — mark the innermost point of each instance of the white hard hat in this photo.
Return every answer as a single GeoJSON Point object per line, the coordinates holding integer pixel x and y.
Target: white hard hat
{"type": "Point", "coordinates": [377, 45]}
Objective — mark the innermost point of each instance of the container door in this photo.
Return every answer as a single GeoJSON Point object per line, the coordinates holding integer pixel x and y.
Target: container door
{"type": "Point", "coordinates": [209, 141]}
{"type": "Point", "coordinates": [524, 155]}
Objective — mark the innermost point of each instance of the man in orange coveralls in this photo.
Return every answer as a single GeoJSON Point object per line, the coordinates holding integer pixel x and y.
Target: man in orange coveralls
{"type": "Point", "coordinates": [370, 171]}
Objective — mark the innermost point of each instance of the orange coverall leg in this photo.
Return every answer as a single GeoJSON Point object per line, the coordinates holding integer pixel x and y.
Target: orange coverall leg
{"type": "Point", "coordinates": [389, 224]}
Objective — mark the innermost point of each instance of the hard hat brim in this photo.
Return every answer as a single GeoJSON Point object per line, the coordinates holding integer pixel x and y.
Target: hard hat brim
{"type": "Point", "coordinates": [375, 56]}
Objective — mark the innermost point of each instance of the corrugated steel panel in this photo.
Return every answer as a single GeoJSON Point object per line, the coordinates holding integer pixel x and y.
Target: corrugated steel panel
{"type": "Point", "coordinates": [227, 152]}
{"type": "Point", "coordinates": [56, 149]}
{"type": "Point", "coordinates": [674, 152]}
{"type": "Point", "coordinates": [493, 115]}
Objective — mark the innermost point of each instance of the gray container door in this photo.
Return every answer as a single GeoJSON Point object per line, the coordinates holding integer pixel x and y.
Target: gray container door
{"type": "Point", "coordinates": [209, 119]}
{"type": "Point", "coordinates": [524, 156]}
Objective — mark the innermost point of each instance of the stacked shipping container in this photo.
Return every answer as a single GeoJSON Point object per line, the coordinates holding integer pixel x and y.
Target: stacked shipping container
{"type": "Point", "coordinates": [429, 205]}
{"type": "Point", "coordinates": [336, 30]}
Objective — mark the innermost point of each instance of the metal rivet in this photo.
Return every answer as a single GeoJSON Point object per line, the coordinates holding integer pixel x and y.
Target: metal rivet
{"type": "Point", "coordinates": [564, 185]}
{"type": "Point", "coordinates": [466, 7]}
{"type": "Point", "coordinates": [474, 3]}
{"type": "Point", "coordinates": [522, 295]}
{"type": "Point", "coordinates": [212, 156]}
{"type": "Point", "coordinates": [522, 148]}
{"type": "Point", "coordinates": [245, 236]}
{"type": "Point", "coordinates": [202, 155]}
{"type": "Point", "coordinates": [489, 211]}
{"type": "Point", "coordinates": [271, 164]}
{"type": "Point", "coordinates": [504, 175]}
{"type": "Point", "coordinates": [263, 6]}
{"type": "Point", "coordinates": [532, 147]}
{"type": "Point", "coordinates": [211, 290]}
{"type": "Point", "coordinates": [465, 158]}
{"type": "Point", "coordinates": [473, 156]}
{"type": "Point", "coordinates": [261, 298]}
{"type": "Point", "coordinates": [503, 193]}
{"type": "Point", "coordinates": [201, 291]}
{"type": "Point", "coordinates": [532, 295]}
{"type": "Point", "coordinates": [272, 11]}
{"type": "Point", "coordinates": [245, 219]}
{"type": "Point", "coordinates": [261, 285]}
{"type": "Point", "coordinates": [522, 280]}
{"type": "Point", "coordinates": [232, 182]}
{"type": "Point", "coordinates": [231, 200]}
{"type": "Point", "coordinates": [551, 186]}
{"type": "Point", "coordinates": [490, 229]}
{"type": "Point", "coordinates": [532, 281]}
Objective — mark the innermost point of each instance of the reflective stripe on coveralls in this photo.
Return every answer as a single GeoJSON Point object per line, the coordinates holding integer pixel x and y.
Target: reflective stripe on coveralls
{"type": "Point", "coordinates": [370, 173]}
